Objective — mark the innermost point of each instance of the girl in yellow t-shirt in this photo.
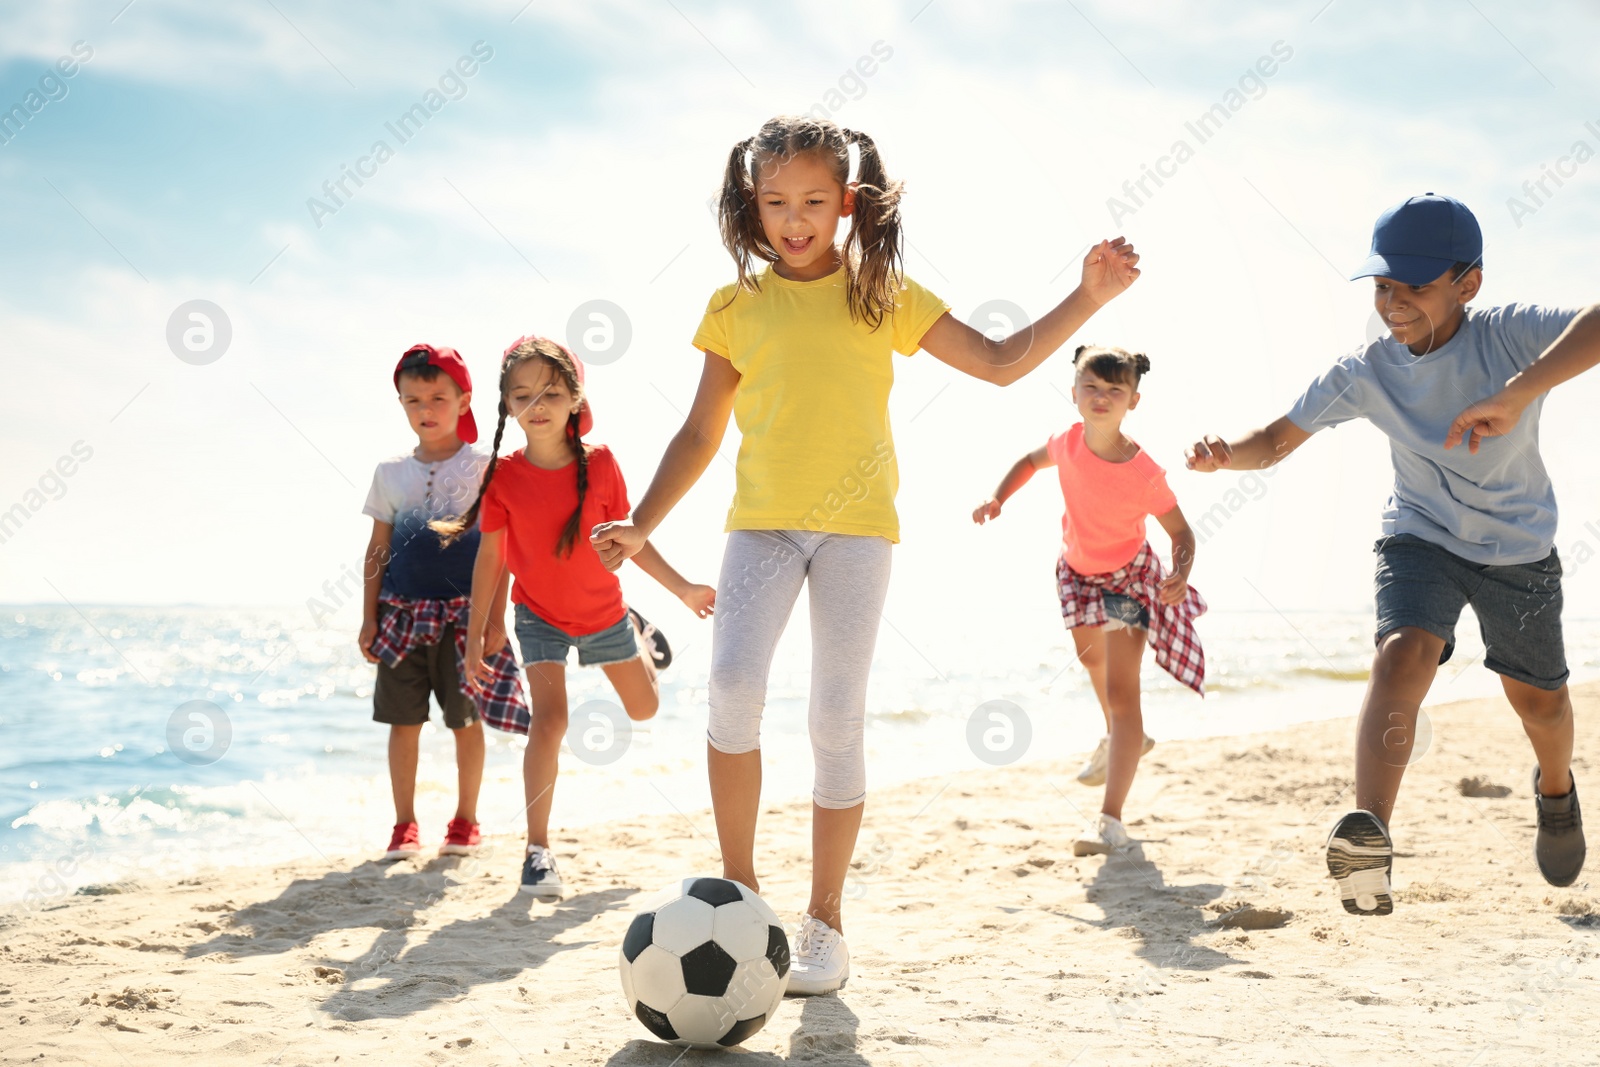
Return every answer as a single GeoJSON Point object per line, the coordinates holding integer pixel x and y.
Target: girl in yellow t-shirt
{"type": "Point", "coordinates": [801, 353]}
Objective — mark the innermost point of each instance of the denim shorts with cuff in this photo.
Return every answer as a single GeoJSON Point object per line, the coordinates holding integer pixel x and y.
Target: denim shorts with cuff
{"type": "Point", "coordinates": [541, 642]}
{"type": "Point", "coordinates": [1518, 606]}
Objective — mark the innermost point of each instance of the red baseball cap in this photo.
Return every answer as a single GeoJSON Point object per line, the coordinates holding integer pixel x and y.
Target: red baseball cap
{"type": "Point", "coordinates": [449, 361]}
{"type": "Point", "coordinates": [586, 413]}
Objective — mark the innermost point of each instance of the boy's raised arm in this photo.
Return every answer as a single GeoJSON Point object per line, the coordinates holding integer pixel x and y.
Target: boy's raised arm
{"type": "Point", "coordinates": [1256, 450]}
{"type": "Point", "coordinates": [1575, 351]}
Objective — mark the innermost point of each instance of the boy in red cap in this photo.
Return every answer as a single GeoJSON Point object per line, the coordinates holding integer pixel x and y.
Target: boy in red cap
{"type": "Point", "coordinates": [1473, 525]}
{"type": "Point", "coordinates": [416, 605]}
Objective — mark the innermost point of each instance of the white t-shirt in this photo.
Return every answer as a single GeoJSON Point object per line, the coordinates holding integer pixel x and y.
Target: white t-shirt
{"type": "Point", "coordinates": [407, 494]}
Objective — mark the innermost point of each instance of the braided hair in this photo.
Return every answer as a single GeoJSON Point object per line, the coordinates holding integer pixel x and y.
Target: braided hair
{"type": "Point", "coordinates": [873, 250]}
{"type": "Point", "coordinates": [1112, 364]}
{"type": "Point", "coordinates": [524, 350]}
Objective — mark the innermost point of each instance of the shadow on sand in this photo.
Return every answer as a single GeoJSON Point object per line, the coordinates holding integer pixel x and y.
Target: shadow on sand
{"type": "Point", "coordinates": [826, 1033]}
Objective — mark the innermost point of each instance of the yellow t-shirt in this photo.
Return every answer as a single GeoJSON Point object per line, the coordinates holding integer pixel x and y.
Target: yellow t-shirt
{"type": "Point", "coordinates": [813, 402]}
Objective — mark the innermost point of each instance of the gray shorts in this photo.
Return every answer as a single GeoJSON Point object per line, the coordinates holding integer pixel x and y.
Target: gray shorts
{"type": "Point", "coordinates": [1518, 607]}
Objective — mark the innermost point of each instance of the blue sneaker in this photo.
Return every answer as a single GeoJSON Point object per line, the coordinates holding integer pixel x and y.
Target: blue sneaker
{"type": "Point", "coordinates": [539, 875]}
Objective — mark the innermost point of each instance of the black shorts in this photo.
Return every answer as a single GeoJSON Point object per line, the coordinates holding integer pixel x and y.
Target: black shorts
{"type": "Point", "coordinates": [401, 695]}
{"type": "Point", "coordinates": [1518, 606]}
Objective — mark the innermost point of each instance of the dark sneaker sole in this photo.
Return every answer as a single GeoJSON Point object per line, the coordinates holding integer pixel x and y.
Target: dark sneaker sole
{"type": "Point", "coordinates": [1360, 856]}
{"type": "Point", "coordinates": [544, 890]}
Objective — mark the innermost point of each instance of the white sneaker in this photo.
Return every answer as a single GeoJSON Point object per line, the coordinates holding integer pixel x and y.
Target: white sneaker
{"type": "Point", "coordinates": [539, 875]}
{"type": "Point", "coordinates": [1107, 837]}
{"type": "Point", "coordinates": [1093, 771]}
{"type": "Point", "coordinates": [821, 962]}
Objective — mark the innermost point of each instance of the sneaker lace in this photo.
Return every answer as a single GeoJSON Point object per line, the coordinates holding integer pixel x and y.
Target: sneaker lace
{"type": "Point", "coordinates": [812, 940]}
{"type": "Point", "coordinates": [1558, 819]}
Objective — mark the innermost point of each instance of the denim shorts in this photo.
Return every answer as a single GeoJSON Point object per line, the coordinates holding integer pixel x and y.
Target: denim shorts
{"type": "Point", "coordinates": [542, 643]}
{"type": "Point", "coordinates": [1518, 606]}
{"type": "Point", "coordinates": [1124, 612]}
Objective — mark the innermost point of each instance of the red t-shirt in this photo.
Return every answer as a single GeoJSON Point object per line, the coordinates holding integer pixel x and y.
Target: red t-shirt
{"type": "Point", "coordinates": [1103, 524]}
{"type": "Point", "coordinates": [572, 593]}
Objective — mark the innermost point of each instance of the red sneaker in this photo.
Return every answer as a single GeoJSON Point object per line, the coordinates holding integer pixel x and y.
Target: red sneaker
{"type": "Point", "coordinates": [406, 841]}
{"type": "Point", "coordinates": [461, 838]}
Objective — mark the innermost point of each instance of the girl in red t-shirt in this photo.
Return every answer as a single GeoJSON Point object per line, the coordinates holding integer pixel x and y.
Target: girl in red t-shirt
{"type": "Point", "coordinates": [535, 510]}
{"type": "Point", "coordinates": [1113, 592]}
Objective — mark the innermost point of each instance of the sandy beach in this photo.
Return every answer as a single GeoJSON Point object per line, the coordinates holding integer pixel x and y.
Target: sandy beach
{"type": "Point", "coordinates": [974, 932]}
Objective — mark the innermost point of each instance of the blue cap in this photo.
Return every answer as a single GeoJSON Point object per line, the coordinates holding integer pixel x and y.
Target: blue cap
{"type": "Point", "coordinates": [1419, 239]}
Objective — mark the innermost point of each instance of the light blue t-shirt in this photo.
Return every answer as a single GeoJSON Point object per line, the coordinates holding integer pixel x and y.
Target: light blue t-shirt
{"type": "Point", "coordinates": [1496, 507]}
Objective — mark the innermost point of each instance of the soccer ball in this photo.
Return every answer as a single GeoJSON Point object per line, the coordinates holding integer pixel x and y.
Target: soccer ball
{"type": "Point", "coordinates": [704, 963]}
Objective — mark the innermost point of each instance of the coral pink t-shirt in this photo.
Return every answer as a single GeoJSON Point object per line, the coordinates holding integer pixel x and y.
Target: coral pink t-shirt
{"type": "Point", "coordinates": [1103, 524]}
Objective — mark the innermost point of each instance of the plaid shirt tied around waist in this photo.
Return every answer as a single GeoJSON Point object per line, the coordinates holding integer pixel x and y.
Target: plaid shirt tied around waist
{"type": "Point", "coordinates": [408, 624]}
{"type": "Point", "coordinates": [1172, 633]}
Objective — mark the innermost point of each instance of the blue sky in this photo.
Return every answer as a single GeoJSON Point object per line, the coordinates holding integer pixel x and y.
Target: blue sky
{"type": "Point", "coordinates": [577, 165]}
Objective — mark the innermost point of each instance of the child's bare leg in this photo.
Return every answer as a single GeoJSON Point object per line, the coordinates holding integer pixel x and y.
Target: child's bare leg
{"type": "Point", "coordinates": [403, 744]}
{"type": "Point", "coordinates": [469, 769]}
{"type": "Point", "coordinates": [1124, 651]}
{"type": "Point", "coordinates": [735, 803]}
{"type": "Point", "coordinates": [1091, 644]}
{"type": "Point", "coordinates": [635, 682]}
{"type": "Point", "coordinates": [547, 704]}
{"type": "Point", "coordinates": [1547, 720]}
{"type": "Point", "coordinates": [1402, 670]}
{"type": "Point", "coordinates": [833, 842]}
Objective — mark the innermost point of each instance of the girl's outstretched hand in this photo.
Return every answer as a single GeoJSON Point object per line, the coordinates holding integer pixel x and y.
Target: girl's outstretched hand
{"type": "Point", "coordinates": [700, 599]}
{"type": "Point", "coordinates": [989, 509]}
{"type": "Point", "coordinates": [616, 541]}
{"type": "Point", "coordinates": [1109, 268]}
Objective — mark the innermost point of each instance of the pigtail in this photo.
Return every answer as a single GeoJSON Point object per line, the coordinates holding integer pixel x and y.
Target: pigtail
{"type": "Point", "coordinates": [738, 220]}
{"type": "Point", "coordinates": [874, 247]}
{"type": "Point", "coordinates": [1141, 364]}
{"type": "Point", "coordinates": [451, 530]}
{"type": "Point", "coordinates": [569, 535]}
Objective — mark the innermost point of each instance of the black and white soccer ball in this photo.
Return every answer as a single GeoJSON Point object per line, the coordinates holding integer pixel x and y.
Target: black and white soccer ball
{"type": "Point", "coordinates": [704, 963]}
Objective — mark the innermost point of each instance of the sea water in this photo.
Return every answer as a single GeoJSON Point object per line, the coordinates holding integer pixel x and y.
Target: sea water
{"type": "Point", "coordinates": [108, 777]}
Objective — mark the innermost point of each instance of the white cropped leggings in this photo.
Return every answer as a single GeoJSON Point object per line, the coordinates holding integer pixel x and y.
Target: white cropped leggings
{"type": "Point", "coordinates": [762, 571]}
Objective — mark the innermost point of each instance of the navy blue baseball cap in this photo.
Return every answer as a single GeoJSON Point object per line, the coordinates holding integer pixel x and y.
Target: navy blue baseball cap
{"type": "Point", "coordinates": [1419, 239]}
